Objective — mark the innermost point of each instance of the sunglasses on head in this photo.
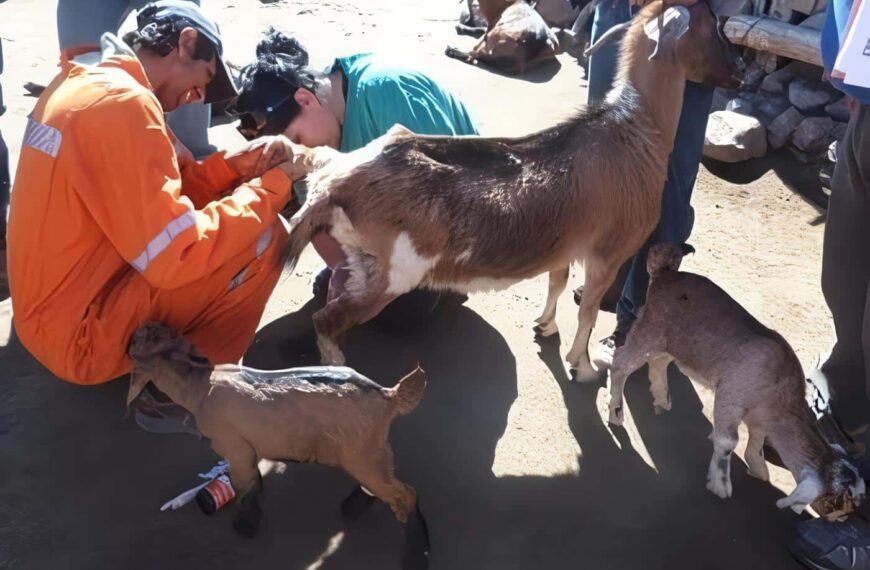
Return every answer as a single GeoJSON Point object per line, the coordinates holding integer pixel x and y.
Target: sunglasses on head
{"type": "Point", "coordinates": [252, 123]}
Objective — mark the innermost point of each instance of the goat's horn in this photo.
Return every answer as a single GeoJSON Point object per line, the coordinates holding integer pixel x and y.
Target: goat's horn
{"type": "Point", "coordinates": [661, 25]}
{"type": "Point", "coordinates": [609, 35]}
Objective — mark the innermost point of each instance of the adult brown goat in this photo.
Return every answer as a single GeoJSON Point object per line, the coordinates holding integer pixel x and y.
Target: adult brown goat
{"type": "Point", "coordinates": [516, 38]}
{"type": "Point", "coordinates": [473, 213]}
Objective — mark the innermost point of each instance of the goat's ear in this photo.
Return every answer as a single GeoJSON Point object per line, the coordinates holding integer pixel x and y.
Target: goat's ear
{"type": "Point", "coordinates": [804, 494]}
{"type": "Point", "coordinates": [137, 384]}
{"type": "Point", "coordinates": [669, 26]}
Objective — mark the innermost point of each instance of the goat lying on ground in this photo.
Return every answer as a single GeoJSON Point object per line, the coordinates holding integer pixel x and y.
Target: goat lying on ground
{"type": "Point", "coordinates": [331, 416]}
{"type": "Point", "coordinates": [757, 377]}
{"type": "Point", "coordinates": [516, 37]}
{"type": "Point", "coordinates": [476, 214]}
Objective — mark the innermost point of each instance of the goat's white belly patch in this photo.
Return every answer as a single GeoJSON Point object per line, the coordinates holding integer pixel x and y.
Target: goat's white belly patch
{"type": "Point", "coordinates": [484, 284]}
{"type": "Point", "coordinates": [407, 266]}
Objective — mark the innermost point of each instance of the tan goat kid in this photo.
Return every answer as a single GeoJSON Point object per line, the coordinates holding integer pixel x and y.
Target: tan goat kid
{"type": "Point", "coordinates": [325, 415]}
{"type": "Point", "coordinates": [757, 377]}
{"type": "Point", "coordinates": [475, 214]}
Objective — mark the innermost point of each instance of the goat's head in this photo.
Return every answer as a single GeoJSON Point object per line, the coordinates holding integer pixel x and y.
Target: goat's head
{"type": "Point", "coordinates": [843, 487]}
{"type": "Point", "coordinates": [687, 32]}
{"type": "Point", "coordinates": [704, 51]}
{"type": "Point", "coordinates": [159, 352]}
{"type": "Point", "coordinates": [835, 490]}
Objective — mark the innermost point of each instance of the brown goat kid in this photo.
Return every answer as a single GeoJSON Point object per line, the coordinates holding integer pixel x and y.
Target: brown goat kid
{"type": "Point", "coordinates": [331, 416]}
{"type": "Point", "coordinates": [757, 378]}
{"type": "Point", "coordinates": [516, 38]}
{"type": "Point", "coordinates": [475, 214]}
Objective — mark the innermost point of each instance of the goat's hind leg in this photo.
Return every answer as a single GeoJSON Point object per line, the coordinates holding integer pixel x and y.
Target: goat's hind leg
{"type": "Point", "coordinates": [363, 295]}
{"type": "Point", "coordinates": [658, 383]}
{"type": "Point", "coordinates": [599, 276]}
{"type": "Point", "coordinates": [547, 321]}
{"type": "Point", "coordinates": [376, 474]}
{"type": "Point", "coordinates": [754, 455]}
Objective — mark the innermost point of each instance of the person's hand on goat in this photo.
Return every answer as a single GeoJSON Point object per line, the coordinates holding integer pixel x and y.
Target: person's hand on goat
{"type": "Point", "coordinates": [259, 155]}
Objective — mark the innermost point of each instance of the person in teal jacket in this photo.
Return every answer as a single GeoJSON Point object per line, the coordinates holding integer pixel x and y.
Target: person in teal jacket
{"type": "Point", "coordinates": [358, 99]}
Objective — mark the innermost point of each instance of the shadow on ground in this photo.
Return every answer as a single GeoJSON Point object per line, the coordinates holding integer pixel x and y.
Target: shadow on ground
{"type": "Point", "coordinates": [81, 487]}
{"type": "Point", "coordinates": [802, 179]}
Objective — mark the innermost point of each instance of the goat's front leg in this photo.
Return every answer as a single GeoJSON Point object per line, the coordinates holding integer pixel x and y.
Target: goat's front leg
{"type": "Point", "coordinates": [599, 276]}
{"type": "Point", "coordinates": [245, 478]}
{"type": "Point", "coordinates": [727, 414]}
{"type": "Point", "coordinates": [626, 360]}
{"type": "Point", "coordinates": [547, 321]}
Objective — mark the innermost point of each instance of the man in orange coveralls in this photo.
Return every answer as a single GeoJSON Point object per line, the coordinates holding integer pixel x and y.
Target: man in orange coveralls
{"type": "Point", "coordinates": [110, 226]}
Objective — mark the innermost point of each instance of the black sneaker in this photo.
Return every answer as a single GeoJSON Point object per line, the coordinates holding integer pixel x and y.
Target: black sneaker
{"type": "Point", "coordinates": [824, 545]}
{"type": "Point", "coordinates": [320, 286]}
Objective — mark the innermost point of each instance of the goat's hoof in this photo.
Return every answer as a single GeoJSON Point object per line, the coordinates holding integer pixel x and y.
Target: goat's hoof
{"type": "Point", "coordinates": [578, 295]}
{"type": "Point", "coordinates": [545, 330]}
{"type": "Point", "coordinates": [661, 408]}
{"type": "Point", "coordinates": [585, 375]}
{"type": "Point", "coordinates": [247, 521]}
{"type": "Point", "coordinates": [617, 416]}
{"type": "Point", "coordinates": [719, 486]}
{"type": "Point", "coordinates": [356, 504]}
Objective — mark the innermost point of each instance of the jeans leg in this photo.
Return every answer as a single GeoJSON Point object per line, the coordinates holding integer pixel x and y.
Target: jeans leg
{"type": "Point", "coordinates": [602, 65]}
{"type": "Point", "coordinates": [190, 124]}
{"type": "Point", "coordinates": [846, 274]}
{"type": "Point", "coordinates": [677, 215]}
{"type": "Point", "coordinates": [83, 22]}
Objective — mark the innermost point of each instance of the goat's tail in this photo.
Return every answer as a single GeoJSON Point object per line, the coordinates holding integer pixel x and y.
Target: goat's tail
{"type": "Point", "coordinates": [666, 256]}
{"type": "Point", "coordinates": [406, 395]}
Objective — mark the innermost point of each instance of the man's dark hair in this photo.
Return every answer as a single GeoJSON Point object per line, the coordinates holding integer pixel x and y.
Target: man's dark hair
{"type": "Point", "coordinates": [161, 37]}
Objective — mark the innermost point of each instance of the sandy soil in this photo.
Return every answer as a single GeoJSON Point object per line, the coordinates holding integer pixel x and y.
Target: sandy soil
{"type": "Point", "coordinates": [514, 465]}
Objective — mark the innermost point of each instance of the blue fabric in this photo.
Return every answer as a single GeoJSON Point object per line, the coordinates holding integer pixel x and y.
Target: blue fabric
{"type": "Point", "coordinates": [382, 93]}
{"type": "Point", "coordinates": [833, 35]}
{"type": "Point", "coordinates": [602, 65]}
{"type": "Point", "coordinates": [677, 215]}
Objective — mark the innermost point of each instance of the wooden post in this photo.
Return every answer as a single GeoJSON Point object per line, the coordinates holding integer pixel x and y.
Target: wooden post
{"type": "Point", "coordinates": [767, 34]}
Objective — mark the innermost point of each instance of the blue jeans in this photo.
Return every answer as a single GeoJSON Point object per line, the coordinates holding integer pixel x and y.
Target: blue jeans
{"type": "Point", "coordinates": [677, 215]}
{"type": "Point", "coordinates": [83, 22]}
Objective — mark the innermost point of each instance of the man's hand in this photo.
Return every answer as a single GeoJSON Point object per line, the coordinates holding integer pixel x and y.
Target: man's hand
{"type": "Point", "coordinates": [260, 155]}
{"type": "Point", "coordinates": [301, 160]}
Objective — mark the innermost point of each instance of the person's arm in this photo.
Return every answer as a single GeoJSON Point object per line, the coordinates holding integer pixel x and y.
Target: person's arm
{"type": "Point", "coordinates": [127, 176]}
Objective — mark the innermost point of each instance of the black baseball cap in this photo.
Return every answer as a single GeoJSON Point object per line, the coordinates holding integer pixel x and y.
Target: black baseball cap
{"type": "Point", "coordinates": [188, 13]}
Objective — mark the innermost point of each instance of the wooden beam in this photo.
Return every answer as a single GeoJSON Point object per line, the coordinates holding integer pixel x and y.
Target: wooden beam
{"type": "Point", "coordinates": [767, 34]}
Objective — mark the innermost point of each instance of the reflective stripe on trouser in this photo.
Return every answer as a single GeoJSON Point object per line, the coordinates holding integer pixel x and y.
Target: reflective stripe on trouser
{"type": "Point", "coordinates": [219, 313]}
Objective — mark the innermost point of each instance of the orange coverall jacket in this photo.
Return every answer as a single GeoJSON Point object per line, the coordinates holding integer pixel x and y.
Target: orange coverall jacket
{"type": "Point", "coordinates": [107, 230]}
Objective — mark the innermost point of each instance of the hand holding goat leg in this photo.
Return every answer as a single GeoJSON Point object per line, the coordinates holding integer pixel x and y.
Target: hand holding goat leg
{"type": "Point", "coordinates": [327, 415]}
{"type": "Point", "coordinates": [756, 376]}
{"type": "Point", "coordinates": [476, 214]}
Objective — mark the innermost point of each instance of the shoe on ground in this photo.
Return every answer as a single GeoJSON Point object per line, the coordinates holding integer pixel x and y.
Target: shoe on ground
{"type": "Point", "coordinates": [825, 545]}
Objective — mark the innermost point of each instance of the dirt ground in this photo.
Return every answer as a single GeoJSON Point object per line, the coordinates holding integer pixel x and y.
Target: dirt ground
{"type": "Point", "coordinates": [514, 465]}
